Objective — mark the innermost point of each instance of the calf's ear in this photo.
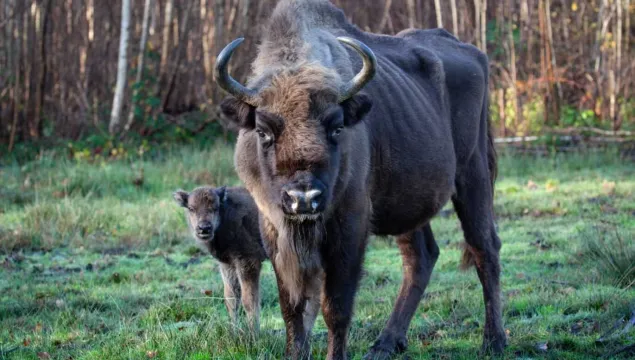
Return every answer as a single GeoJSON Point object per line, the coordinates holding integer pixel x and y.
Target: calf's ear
{"type": "Point", "coordinates": [180, 197]}
{"type": "Point", "coordinates": [222, 193]}
{"type": "Point", "coordinates": [356, 108]}
{"type": "Point", "coordinates": [238, 113]}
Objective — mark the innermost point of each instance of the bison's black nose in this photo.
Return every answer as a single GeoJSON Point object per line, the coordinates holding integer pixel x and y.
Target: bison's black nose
{"type": "Point", "coordinates": [204, 229]}
{"type": "Point", "coordinates": [301, 202]}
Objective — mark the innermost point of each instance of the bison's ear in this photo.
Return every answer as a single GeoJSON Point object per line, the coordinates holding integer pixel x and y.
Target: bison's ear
{"type": "Point", "coordinates": [180, 197]}
{"type": "Point", "coordinates": [237, 112]}
{"type": "Point", "coordinates": [356, 108]}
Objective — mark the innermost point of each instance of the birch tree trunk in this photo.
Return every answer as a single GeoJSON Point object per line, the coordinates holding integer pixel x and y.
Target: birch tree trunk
{"type": "Point", "coordinates": [385, 16]}
{"type": "Point", "coordinates": [167, 23]}
{"type": "Point", "coordinates": [412, 16]}
{"type": "Point", "coordinates": [142, 50]}
{"type": "Point", "coordinates": [455, 25]}
{"type": "Point", "coordinates": [122, 67]}
{"type": "Point", "coordinates": [205, 40]}
{"type": "Point", "coordinates": [437, 9]}
{"type": "Point", "coordinates": [477, 23]}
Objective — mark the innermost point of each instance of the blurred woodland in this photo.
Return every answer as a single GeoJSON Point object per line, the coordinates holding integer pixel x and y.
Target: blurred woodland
{"type": "Point", "coordinates": [554, 63]}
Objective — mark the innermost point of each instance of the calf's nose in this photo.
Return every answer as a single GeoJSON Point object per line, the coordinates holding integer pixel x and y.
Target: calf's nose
{"type": "Point", "coordinates": [204, 228]}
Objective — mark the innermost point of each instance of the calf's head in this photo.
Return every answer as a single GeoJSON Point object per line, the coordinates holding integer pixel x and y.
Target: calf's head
{"type": "Point", "coordinates": [203, 210]}
{"type": "Point", "coordinates": [301, 120]}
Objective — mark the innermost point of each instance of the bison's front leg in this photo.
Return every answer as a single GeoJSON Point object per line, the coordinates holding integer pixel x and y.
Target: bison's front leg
{"type": "Point", "coordinates": [343, 256]}
{"type": "Point", "coordinates": [298, 341]}
{"type": "Point", "coordinates": [249, 278]}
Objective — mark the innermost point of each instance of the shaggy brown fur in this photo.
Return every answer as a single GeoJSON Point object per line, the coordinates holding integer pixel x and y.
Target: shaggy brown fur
{"type": "Point", "coordinates": [233, 239]}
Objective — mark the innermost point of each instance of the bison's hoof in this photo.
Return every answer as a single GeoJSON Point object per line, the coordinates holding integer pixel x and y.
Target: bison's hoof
{"type": "Point", "coordinates": [386, 346]}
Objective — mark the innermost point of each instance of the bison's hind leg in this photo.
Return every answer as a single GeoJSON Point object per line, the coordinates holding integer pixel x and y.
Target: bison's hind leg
{"type": "Point", "coordinates": [419, 252]}
{"type": "Point", "coordinates": [473, 202]}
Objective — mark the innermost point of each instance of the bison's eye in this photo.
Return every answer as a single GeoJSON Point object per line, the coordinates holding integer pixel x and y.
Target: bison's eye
{"type": "Point", "coordinates": [336, 132]}
{"type": "Point", "coordinates": [264, 137]}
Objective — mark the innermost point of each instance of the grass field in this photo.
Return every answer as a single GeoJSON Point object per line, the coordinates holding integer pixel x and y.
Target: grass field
{"type": "Point", "coordinates": [96, 263]}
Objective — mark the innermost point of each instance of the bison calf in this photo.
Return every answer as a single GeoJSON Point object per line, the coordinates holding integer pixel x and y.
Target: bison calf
{"type": "Point", "coordinates": [224, 221]}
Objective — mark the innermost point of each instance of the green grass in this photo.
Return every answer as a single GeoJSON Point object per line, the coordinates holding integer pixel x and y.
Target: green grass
{"type": "Point", "coordinates": [94, 266]}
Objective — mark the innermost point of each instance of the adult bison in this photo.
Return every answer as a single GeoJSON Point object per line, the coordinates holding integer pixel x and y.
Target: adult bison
{"type": "Point", "coordinates": [326, 170]}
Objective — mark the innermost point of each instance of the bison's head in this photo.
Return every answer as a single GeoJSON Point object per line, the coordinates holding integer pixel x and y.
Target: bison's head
{"type": "Point", "coordinates": [203, 206]}
{"type": "Point", "coordinates": [301, 120]}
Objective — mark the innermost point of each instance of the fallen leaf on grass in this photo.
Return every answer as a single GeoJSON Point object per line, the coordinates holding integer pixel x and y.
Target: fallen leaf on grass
{"type": "Point", "coordinates": [38, 327]}
{"type": "Point", "coordinates": [26, 342]}
{"type": "Point", "coordinates": [551, 186]}
{"type": "Point", "coordinates": [206, 292]}
{"type": "Point", "coordinates": [151, 354]}
{"type": "Point", "coordinates": [520, 276]}
{"type": "Point", "coordinates": [542, 346]}
{"type": "Point", "coordinates": [608, 187]}
{"type": "Point", "coordinates": [43, 355]}
{"type": "Point", "coordinates": [577, 327]}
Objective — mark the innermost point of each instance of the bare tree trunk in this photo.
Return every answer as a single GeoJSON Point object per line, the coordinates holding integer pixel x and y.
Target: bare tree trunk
{"type": "Point", "coordinates": [518, 110]}
{"type": "Point", "coordinates": [219, 18]}
{"type": "Point", "coordinates": [501, 110]}
{"type": "Point", "coordinates": [551, 56]}
{"type": "Point", "coordinates": [617, 67]}
{"type": "Point", "coordinates": [385, 16]}
{"type": "Point", "coordinates": [484, 26]}
{"type": "Point", "coordinates": [27, 58]}
{"type": "Point", "coordinates": [178, 56]}
{"type": "Point", "coordinates": [205, 39]}
{"type": "Point", "coordinates": [477, 23]}
{"type": "Point", "coordinates": [140, 63]}
{"type": "Point", "coordinates": [412, 15]}
{"type": "Point", "coordinates": [437, 9]}
{"type": "Point", "coordinates": [16, 81]}
{"type": "Point", "coordinates": [455, 25]}
{"type": "Point", "coordinates": [122, 67]}
{"type": "Point", "coordinates": [167, 23]}
{"type": "Point", "coordinates": [244, 16]}
{"type": "Point", "coordinates": [627, 26]}
{"type": "Point", "coordinates": [36, 129]}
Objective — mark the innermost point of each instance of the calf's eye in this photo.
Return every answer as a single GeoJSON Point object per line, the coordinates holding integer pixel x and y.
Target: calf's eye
{"type": "Point", "coordinates": [264, 137]}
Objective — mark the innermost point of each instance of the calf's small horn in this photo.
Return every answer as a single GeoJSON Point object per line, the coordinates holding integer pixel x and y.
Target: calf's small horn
{"type": "Point", "coordinates": [228, 83]}
{"type": "Point", "coordinates": [365, 74]}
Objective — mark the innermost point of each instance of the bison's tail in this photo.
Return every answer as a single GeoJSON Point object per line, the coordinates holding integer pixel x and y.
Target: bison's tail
{"type": "Point", "coordinates": [467, 260]}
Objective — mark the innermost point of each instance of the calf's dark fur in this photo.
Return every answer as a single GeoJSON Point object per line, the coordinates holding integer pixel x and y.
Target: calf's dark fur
{"type": "Point", "coordinates": [224, 222]}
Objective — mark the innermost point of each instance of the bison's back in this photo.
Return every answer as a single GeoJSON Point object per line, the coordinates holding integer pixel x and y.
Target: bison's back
{"type": "Point", "coordinates": [428, 95]}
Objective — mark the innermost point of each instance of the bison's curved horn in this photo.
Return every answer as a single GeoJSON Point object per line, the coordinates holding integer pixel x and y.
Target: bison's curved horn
{"type": "Point", "coordinates": [367, 72]}
{"type": "Point", "coordinates": [225, 81]}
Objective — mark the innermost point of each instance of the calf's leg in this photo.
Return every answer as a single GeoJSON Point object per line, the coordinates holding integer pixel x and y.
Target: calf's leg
{"type": "Point", "coordinates": [231, 289]}
{"type": "Point", "coordinates": [419, 253]}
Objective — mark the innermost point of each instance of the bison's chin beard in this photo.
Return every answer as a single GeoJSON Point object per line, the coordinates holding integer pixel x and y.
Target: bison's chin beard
{"type": "Point", "coordinates": [298, 260]}
{"type": "Point", "coordinates": [304, 218]}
